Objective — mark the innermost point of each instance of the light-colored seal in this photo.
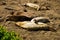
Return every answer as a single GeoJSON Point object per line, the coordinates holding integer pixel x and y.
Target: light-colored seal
{"type": "Point", "coordinates": [34, 23]}
{"type": "Point", "coordinates": [29, 25]}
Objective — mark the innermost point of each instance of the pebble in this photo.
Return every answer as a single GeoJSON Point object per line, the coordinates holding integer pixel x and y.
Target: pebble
{"type": "Point", "coordinates": [32, 5]}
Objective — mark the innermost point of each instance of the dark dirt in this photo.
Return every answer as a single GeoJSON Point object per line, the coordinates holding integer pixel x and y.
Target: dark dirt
{"type": "Point", "coordinates": [14, 7]}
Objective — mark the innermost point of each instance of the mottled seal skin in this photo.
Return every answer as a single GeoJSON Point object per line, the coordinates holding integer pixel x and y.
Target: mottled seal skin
{"type": "Point", "coordinates": [32, 5]}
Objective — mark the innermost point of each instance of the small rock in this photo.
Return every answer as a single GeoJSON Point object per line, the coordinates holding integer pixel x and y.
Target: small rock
{"type": "Point", "coordinates": [8, 22]}
{"type": "Point", "coordinates": [12, 7]}
{"type": "Point", "coordinates": [35, 1]}
{"type": "Point", "coordinates": [35, 6]}
{"type": "Point", "coordinates": [3, 3]}
{"type": "Point", "coordinates": [1, 19]}
{"type": "Point", "coordinates": [27, 14]}
{"type": "Point", "coordinates": [44, 8]}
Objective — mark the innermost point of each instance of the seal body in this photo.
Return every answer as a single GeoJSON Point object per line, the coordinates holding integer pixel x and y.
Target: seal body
{"type": "Point", "coordinates": [30, 25]}
{"type": "Point", "coordinates": [40, 20]}
{"type": "Point", "coordinates": [36, 24]}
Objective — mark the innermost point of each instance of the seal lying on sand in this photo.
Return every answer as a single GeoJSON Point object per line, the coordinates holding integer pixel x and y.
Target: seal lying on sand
{"type": "Point", "coordinates": [29, 25]}
{"type": "Point", "coordinates": [34, 23]}
{"type": "Point", "coordinates": [40, 19]}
